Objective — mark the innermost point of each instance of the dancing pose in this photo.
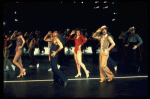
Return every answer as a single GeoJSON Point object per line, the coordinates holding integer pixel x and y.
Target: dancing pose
{"type": "Point", "coordinates": [17, 58]}
{"type": "Point", "coordinates": [55, 49]}
{"type": "Point", "coordinates": [79, 41]}
{"type": "Point", "coordinates": [132, 46]}
{"type": "Point", "coordinates": [105, 40]}
{"type": "Point", "coordinates": [6, 52]}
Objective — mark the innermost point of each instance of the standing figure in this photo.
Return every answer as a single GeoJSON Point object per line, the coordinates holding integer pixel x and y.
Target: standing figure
{"type": "Point", "coordinates": [19, 45]}
{"type": "Point", "coordinates": [79, 41]}
{"type": "Point", "coordinates": [132, 46]}
{"type": "Point", "coordinates": [105, 40]}
{"type": "Point", "coordinates": [55, 49]}
{"type": "Point", "coordinates": [7, 45]}
{"type": "Point", "coordinates": [32, 42]}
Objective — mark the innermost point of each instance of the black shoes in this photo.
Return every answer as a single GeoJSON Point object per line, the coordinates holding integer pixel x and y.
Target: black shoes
{"type": "Point", "coordinates": [58, 83]}
{"type": "Point", "coordinates": [54, 83]}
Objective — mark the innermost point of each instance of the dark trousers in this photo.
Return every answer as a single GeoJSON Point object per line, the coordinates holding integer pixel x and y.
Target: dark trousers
{"type": "Point", "coordinates": [33, 61]}
{"type": "Point", "coordinates": [131, 55]}
{"type": "Point", "coordinates": [57, 74]}
{"type": "Point", "coordinates": [61, 57]}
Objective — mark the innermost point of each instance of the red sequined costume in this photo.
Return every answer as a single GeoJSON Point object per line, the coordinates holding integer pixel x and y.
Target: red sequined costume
{"type": "Point", "coordinates": [78, 41]}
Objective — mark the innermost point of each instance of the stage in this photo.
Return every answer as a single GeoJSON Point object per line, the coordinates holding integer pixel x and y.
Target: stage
{"type": "Point", "coordinates": [36, 83]}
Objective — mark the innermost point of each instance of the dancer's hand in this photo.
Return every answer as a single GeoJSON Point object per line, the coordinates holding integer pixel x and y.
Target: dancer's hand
{"type": "Point", "coordinates": [73, 32]}
{"type": "Point", "coordinates": [53, 53]}
{"type": "Point", "coordinates": [135, 47]}
{"type": "Point", "coordinates": [106, 51]}
{"type": "Point", "coordinates": [79, 47]}
{"type": "Point", "coordinates": [19, 47]}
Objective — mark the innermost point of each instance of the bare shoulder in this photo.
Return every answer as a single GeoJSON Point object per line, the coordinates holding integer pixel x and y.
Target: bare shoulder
{"type": "Point", "coordinates": [110, 37]}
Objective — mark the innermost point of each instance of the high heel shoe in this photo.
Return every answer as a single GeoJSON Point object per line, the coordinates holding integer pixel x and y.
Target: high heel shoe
{"type": "Point", "coordinates": [79, 74]}
{"type": "Point", "coordinates": [24, 72]}
{"type": "Point", "coordinates": [102, 80]}
{"type": "Point", "coordinates": [87, 74]}
{"type": "Point", "coordinates": [21, 74]}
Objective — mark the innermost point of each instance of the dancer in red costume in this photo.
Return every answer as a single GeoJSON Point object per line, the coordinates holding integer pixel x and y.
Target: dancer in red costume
{"type": "Point", "coordinates": [79, 41]}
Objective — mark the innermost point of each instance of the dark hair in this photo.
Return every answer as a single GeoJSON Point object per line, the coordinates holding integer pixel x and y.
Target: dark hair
{"type": "Point", "coordinates": [20, 33]}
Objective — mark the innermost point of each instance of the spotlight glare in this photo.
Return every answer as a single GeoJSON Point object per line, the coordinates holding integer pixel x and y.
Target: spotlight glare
{"type": "Point", "coordinates": [96, 1]}
{"type": "Point", "coordinates": [16, 20]}
{"type": "Point", "coordinates": [4, 23]}
{"type": "Point", "coordinates": [15, 12]}
{"type": "Point", "coordinates": [105, 1]}
{"type": "Point", "coordinates": [113, 19]}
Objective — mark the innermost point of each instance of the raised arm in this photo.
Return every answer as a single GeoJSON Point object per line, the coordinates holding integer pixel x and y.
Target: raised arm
{"type": "Point", "coordinates": [13, 35]}
{"type": "Point", "coordinates": [96, 33]}
{"type": "Point", "coordinates": [47, 39]}
{"type": "Point", "coordinates": [73, 32]}
{"type": "Point", "coordinates": [112, 43]}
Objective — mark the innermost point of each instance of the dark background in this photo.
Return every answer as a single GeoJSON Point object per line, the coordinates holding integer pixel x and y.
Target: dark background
{"type": "Point", "coordinates": [45, 16]}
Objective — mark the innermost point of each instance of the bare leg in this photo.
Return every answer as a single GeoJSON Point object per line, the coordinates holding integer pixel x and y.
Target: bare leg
{"type": "Point", "coordinates": [17, 56]}
{"type": "Point", "coordinates": [20, 61]}
{"type": "Point", "coordinates": [79, 58]}
{"type": "Point", "coordinates": [78, 66]}
{"type": "Point", "coordinates": [49, 55]}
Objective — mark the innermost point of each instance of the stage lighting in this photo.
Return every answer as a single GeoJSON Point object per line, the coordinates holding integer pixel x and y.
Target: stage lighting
{"type": "Point", "coordinates": [112, 2]}
{"type": "Point", "coordinates": [97, 7]}
{"type": "Point", "coordinates": [15, 12]}
{"type": "Point", "coordinates": [74, 2]}
{"type": "Point", "coordinates": [96, 1]}
{"type": "Point", "coordinates": [16, 20]}
{"type": "Point", "coordinates": [113, 19]}
{"type": "Point", "coordinates": [105, 7]}
{"type": "Point", "coordinates": [4, 23]}
{"type": "Point", "coordinates": [105, 1]}
{"type": "Point", "coordinates": [82, 2]}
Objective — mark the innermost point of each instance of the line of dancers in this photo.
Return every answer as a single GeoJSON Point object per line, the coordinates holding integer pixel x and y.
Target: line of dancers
{"type": "Point", "coordinates": [55, 44]}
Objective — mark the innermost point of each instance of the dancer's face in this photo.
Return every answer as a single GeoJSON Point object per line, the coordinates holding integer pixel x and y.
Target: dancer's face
{"type": "Point", "coordinates": [133, 31]}
{"type": "Point", "coordinates": [49, 32]}
{"type": "Point", "coordinates": [104, 31]}
{"type": "Point", "coordinates": [19, 33]}
{"type": "Point", "coordinates": [55, 33]}
{"type": "Point", "coordinates": [78, 33]}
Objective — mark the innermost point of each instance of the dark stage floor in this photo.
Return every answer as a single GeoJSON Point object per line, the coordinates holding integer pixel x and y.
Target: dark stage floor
{"type": "Point", "coordinates": [36, 83]}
